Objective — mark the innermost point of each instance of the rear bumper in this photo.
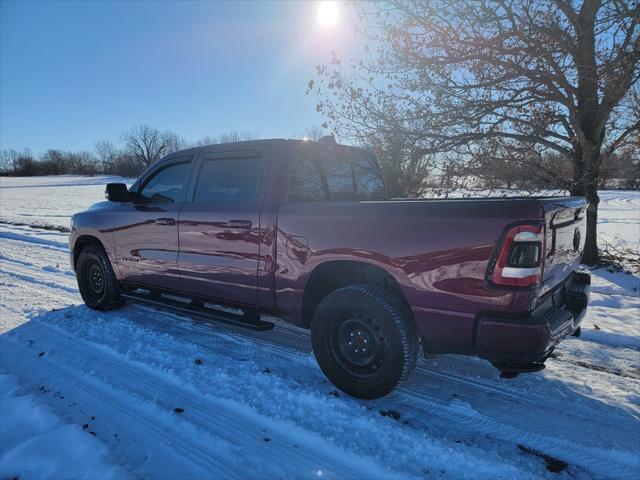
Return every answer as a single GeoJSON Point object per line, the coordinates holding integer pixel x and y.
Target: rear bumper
{"type": "Point", "coordinates": [532, 337]}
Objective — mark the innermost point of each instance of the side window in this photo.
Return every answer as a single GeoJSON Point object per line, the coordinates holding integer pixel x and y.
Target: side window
{"type": "Point", "coordinates": [348, 174]}
{"type": "Point", "coordinates": [167, 185]}
{"type": "Point", "coordinates": [368, 177]}
{"type": "Point", "coordinates": [340, 179]}
{"type": "Point", "coordinates": [308, 181]}
{"type": "Point", "coordinates": [228, 180]}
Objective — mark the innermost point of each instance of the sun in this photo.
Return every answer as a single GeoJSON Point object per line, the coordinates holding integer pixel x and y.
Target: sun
{"type": "Point", "coordinates": [327, 13]}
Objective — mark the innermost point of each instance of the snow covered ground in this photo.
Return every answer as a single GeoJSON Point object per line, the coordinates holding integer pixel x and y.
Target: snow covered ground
{"type": "Point", "coordinates": [140, 392]}
{"type": "Point", "coordinates": [36, 443]}
{"type": "Point", "coordinates": [50, 201]}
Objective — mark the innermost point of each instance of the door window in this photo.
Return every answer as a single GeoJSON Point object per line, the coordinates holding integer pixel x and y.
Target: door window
{"type": "Point", "coordinates": [228, 180]}
{"type": "Point", "coordinates": [166, 185]}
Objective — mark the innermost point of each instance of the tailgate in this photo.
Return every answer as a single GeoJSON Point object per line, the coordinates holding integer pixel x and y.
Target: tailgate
{"type": "Point", "coordinates": [565, 233]}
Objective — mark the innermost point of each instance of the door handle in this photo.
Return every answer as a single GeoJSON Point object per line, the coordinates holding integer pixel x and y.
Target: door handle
{"type": "Point", "coordinates": [239, 224]}
{"type": "Point", "coordinates": [165, 221]}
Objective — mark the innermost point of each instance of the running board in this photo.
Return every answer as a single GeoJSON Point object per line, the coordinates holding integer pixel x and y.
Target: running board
{"type": "Point", "coordinates": [194, 307]}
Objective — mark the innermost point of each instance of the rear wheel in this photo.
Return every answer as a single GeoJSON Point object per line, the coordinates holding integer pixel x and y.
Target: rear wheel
{"type": "Point", "coordinates": [96, 280]}
{"type": "Point", "coordinates": [365, 340]}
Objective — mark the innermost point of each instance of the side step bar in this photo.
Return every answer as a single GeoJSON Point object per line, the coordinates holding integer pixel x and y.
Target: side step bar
{"type": "Point", "coordinates": [197, 308]}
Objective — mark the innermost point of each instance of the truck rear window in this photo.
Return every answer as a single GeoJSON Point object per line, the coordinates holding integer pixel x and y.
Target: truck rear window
{"type": "Point", "coordinates": [338, 174]}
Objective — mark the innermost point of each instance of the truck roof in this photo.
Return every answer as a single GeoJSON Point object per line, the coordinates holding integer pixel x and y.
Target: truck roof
{"type": "Point", "coordinates": [262, 143]}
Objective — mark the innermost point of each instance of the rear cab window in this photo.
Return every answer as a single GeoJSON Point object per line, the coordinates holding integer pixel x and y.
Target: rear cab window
{"type": "Point", "coordinates": [334, 173]}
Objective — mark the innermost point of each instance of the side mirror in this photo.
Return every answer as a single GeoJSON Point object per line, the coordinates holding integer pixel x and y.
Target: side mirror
{"type": "Point", "coordinates": [116, 192]}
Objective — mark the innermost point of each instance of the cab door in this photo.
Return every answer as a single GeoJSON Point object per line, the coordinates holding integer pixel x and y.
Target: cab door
{"type": "Point", "coordinates": [146, 229]}
{"type": "Point", "coordinates": [220, 231]}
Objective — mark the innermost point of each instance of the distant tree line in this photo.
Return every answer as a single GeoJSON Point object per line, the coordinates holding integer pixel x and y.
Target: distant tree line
{"type": "Point", "coordinates": [138, 148]}
{"type": "Point", "coordinates": [407, 174]}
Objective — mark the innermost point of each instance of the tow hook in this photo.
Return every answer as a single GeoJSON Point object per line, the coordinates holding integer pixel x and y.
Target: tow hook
{"type": "Point", "coordinates": [512, 370]}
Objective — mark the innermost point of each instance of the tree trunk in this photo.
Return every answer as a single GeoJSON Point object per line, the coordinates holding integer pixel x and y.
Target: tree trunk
{"type": "Point", "coordinates": [591, 255]}
{"type": "Point", "coordinates": [586, 173]}
{"type": "Point", "coordinates": [589, 174]}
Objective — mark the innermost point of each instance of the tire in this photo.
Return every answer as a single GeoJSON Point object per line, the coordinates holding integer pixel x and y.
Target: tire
{"type": "Point", "coordinates": [364, 340]}
{"type": "Point", "coordinates": [96, 280]}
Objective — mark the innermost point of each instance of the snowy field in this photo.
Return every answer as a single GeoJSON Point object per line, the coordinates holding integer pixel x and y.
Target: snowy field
{"type": "Point", "coordinates": [120, 394]}
{"type": "Point", "coordinates": [50, 201]}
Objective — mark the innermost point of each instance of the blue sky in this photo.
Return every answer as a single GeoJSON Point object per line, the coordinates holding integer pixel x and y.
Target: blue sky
{"type": "Point", "coordinates": [72, 73]}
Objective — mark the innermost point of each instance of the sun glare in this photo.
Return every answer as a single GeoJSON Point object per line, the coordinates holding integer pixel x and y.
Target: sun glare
{"type": "Point", "coordinates": [327, 13]}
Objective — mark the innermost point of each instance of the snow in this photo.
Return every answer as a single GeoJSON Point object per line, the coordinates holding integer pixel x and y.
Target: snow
{"type": "Point", "coordinates": [50, 201]}
{"type": "Point", "coordinates": [38, 444]}
{"type": "Point", "coordinates": [619, 220]}
{"type": "Point", "coordinates": [256, 405]}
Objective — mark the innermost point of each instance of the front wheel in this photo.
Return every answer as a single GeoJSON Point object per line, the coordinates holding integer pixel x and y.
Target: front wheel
{"type": "Point", "coordinates": [96, 280]}
{"type": "Point", "coordinates": [364, 340]}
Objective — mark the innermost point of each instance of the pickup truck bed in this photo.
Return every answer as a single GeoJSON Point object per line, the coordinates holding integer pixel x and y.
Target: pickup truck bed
{"type": "Point", "coordinates": [303, 230]}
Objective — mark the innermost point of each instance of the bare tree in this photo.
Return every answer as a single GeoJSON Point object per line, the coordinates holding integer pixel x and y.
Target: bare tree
{"type": "Point", "coordinates": [82, 163]}
{"type": "Point", "coordinates": [206, 140]}
{"type": "Point", "coordinates": [235, 136]}
{"type": "Point", "coordinates": [229, 137]}
{"type": "Point", "coordinates": [459, 75]}
{"type": "Point", "coordinates": [25, 164]}
{"type": "Point", "coordinates": [404, 169]}
{"type": "Point", "coordinates": [106, 154]}
{"type": "Point", "coordinates": [147, 144]}
{"type": "Point", "coordinates": [55, 162]}
{"type": "Point", "coordinates": [8, 161]}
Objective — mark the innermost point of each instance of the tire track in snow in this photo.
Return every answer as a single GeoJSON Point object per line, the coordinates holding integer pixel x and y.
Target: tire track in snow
{"type": "Point", "coordinates": [234, 435]}
{"type": "Point", "coordinates": [279, 345]}
{"type": "Point", "coordinates": [605, 463]}
{"type": "Point", "coordinates": [49, 244]}
{"type": "Point", "coordinates": [90, 396]}
{"type": "Point", "coordinates": [285, 339]}
{"type": "Point", "coordinates": [38, 280]}
{"type": "Point", "coordinates": [93, 396]}
{"type": "Point", "coordinates": [22, 299]}
{"type": "Point", "coordinates": [68, 296]}
{"type": "Point", "coordinates": [395, 440]}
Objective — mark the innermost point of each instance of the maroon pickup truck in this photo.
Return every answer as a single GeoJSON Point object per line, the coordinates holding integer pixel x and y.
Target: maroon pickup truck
{"type": "Point", "coordinates": [304, 231]}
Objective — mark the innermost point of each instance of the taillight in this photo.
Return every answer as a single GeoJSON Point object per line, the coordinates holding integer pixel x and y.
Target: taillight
{"type": "Point", "coordinates": [519, 261]}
